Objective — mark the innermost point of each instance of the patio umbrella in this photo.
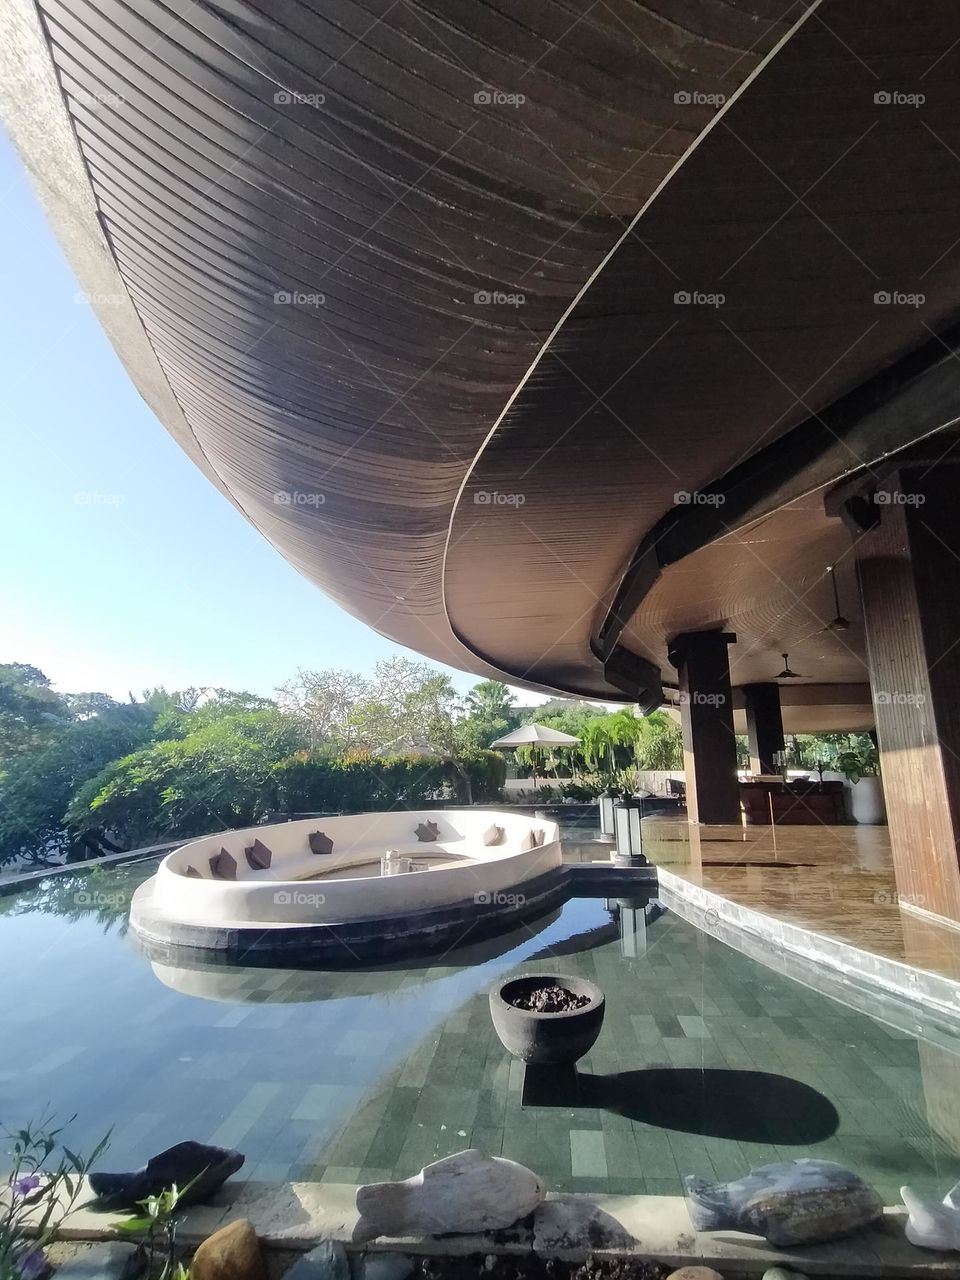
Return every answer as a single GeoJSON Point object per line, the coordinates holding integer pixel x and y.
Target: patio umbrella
{"type": "Point", "coordinates": [535, 735]}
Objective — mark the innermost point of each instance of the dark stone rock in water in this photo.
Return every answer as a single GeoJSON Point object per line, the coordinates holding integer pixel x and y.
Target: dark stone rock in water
{"type": "Point", "coordinates": [328, 1261]}
{"type": "Point", "coordinates": [114, 1261]}
{"type": "Point", "coordinates": [177, 1165]}
{"type": "Point", "coordinates": [550, 1000]}
{"type": "Point", "coordinates": [793, 1203]}
{"type": "Point", "coordinates": [383, 1266]}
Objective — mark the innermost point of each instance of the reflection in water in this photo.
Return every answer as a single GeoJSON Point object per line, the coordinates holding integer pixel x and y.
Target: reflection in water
{"type": "Point", "coordinates": [369, 1073]}
{"type": "Point", "coordinates": [238, 984]}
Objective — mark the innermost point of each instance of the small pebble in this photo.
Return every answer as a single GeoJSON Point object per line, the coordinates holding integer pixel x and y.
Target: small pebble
{"type": "Point", "coordinates": [328, 1261]}
{"type": "Point", "coordinates": [385, 1266]}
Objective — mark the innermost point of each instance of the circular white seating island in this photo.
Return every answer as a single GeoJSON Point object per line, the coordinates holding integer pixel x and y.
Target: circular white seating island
{"type": "Point", "coordinates": [363, 888]}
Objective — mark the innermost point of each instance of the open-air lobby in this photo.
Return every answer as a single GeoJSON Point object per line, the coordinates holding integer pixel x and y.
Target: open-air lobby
{"type": "Point", "coordinates": [609, 352]}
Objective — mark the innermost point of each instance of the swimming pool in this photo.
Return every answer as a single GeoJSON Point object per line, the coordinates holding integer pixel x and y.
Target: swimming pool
{"type": "Point", "coordinates": [708, 1062]}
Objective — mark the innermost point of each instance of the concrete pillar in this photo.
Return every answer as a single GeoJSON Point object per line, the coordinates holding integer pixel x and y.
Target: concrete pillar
{"type": "Point", "coordinates": [706, 718]}
{"type": "Point", "coordinates": [764, 725]}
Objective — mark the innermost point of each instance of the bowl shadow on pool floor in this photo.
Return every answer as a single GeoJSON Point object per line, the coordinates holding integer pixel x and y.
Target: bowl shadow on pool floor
{"type": "Point", "coordinates": [745, 1106]}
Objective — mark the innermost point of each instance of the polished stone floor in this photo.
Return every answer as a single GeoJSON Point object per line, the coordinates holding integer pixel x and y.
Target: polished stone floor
{"type": "Point", "coordinates": [836, 880]}
{"type": "Point", "coordinates": [708, 1063]}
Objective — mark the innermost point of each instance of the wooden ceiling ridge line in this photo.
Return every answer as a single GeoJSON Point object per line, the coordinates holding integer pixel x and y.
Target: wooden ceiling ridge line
{"type": "Point", "coordinates": [910, 400]}
{"type": "Point", "coordinates": [623, 655]}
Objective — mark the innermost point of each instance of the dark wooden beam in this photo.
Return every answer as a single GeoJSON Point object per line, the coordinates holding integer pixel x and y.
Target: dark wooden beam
{"type": "Point", "coordinates": [764, 725]}
{"type": "Point", "coordinates": [909, 565]}
{"type": "Point", "coordinates": [706, 717]}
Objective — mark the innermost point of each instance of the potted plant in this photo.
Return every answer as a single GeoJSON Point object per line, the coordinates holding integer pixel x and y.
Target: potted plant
{"type": "Point", "coordinates": [860, 765]}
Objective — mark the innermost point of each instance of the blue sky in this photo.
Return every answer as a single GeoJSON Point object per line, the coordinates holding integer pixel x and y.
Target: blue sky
{"type": "Point", "coordinates": [122, 567]}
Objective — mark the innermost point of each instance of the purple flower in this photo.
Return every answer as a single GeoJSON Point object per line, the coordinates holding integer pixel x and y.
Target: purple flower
{"type": "Point", "coordinates": [34, 1264]}
{"type": "Point", "coordinates": [23, 1186]}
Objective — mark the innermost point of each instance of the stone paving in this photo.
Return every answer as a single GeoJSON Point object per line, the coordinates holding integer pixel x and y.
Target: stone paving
{"type": "Point", "coordinates": [360, 1075]}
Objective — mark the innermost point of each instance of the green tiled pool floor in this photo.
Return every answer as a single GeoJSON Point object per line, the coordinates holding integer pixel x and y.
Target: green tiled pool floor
{"type": "Point", "coordinates": [363, 1075]}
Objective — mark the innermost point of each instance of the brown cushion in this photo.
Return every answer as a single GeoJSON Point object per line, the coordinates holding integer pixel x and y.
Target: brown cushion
{"type": "Point", "coordinates": [319, 843]}
{"type": "Point", "coordinates": [193, 874]}
{"type": "Point", "coordinates": [539, 836]}
{"type": "Point", "coordinates": [223, 866]}
{"type": "Point", "coordinates": [427, 831]}
{"type": "Point", "coordinates": [258, 856]}
{"type": "Point", "coordinates": [493, 835]}
{"type": "Point", "coordinates": [528, 842]}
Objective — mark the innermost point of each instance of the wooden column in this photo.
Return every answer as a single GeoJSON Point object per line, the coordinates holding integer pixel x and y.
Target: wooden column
{"type": "Point", "coordinates": [909, 566]}
{"type": "Point", "coordinates": [706, 717]}
{"type": "Point", "coordinates": [764, 726]}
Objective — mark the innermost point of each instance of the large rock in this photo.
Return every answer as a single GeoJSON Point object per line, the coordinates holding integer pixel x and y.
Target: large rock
{"type": "Point", "coordinates": [205, 1168]}
{"type": "Point", "coordinates": [466, 1192]}
{"type": "Point", "coordinates": [795, 1202]}
{"type": "Point", "coordinates": [782, 1273]}
{"type": "Point", "coordinates": [232, 1253]}
{"type": "Point", "coordinates": [328, 1261]}
{"type": "Point", "coordinates": [113, 1261]}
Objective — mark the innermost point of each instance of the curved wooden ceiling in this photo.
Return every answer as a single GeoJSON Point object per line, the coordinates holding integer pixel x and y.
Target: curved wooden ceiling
{"type": "Point", "coordinates": [372, 162]}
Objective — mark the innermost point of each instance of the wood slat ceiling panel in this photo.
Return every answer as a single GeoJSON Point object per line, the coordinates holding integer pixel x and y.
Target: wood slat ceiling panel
{"type": "Point", "coordinates": [398, 198]}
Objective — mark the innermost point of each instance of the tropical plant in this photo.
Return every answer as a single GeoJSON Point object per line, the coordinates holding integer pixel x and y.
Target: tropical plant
{"type": "Point", "coordinates": [859, 761]}
{"type": "Point", "coordinates": [44, 1185]}
{"type": "Point", "coordinates": [157, 1226]}
{"type": "Point", "coordinates": [490, 713]}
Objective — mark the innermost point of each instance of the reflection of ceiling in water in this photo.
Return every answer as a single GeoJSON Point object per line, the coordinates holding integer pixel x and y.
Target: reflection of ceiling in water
{"type": "Point", "coordinates": [239, 984]}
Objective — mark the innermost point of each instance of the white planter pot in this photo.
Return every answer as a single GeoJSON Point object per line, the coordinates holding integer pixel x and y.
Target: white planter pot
{"type": "Point", "coordinates": [866, 801]}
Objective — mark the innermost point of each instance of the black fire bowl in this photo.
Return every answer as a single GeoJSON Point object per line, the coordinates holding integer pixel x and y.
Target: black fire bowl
{"type": "Point", "coordinates": [546, 1039]}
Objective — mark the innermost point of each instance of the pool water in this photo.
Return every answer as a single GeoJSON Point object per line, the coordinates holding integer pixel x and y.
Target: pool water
{"type": "Point", "coordinates": [708, 1062]}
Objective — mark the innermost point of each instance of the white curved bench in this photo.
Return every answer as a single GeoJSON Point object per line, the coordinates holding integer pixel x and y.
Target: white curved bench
{"type": "Point", "coordinates": [195, 886]}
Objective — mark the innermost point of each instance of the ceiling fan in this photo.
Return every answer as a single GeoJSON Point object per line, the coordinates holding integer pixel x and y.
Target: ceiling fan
{"type": "Point", "coordinates": [838, 622]}
{"type": "Point", "coordinates": [786, 673]}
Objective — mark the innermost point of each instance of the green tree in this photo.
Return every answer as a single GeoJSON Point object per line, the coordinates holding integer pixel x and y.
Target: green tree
{"type": "Point", "coordinates": [490, 713]}
{"type": "Point", "coordinates": [30, 710]}
{"type": "Point", "coordinates": [220, 775]}
{"type": "Point", "coordinates": [37, 787]}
